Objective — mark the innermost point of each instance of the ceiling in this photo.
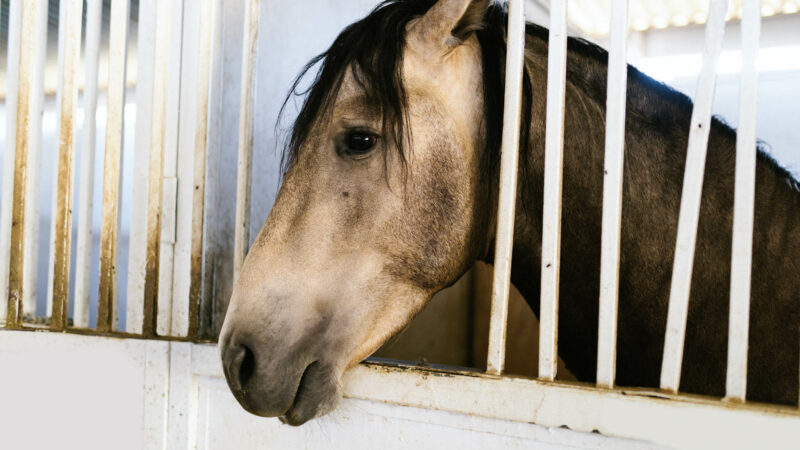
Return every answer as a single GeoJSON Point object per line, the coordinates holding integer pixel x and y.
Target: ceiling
{"type": "Point", "coordinates": [592, 16]}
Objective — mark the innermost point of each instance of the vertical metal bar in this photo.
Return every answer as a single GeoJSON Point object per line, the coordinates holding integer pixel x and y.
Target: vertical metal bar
{"type": "Point", "coordinates": [169, 194]}
{"type": "Point", "coordinates": [187, 133]}
{"type": "Point", "coordinates": [515, 64]}
{"type": "Point", "coordinates": [612, 195]}
{"type": "Point", "coordinates": [30, 92]}
{"type": "Point", "coordinates": [137, 255]}
{"type": "Point", "coordinates": [112, 180]}
{"type": "Point", "coordinates": [157, 142]}
{"type": "Point", "coordinates": [62, 225]}
{"type": "Point", "coordinates": [94, 16]}
{"type": "Point", "coordinates": [36, 109]}
{"type": "Point", "coordinates": [62, 21]}
{"type": "Point", "coordinates": [12, 96]}
{"type": "Point", "coordinates": [690, 199]}
{"type": "Point", "coordinates": [246, 116]}
{"type": "Point", "coordinates": [204, 67]}
{"type": "Point", "coordinates": [189, 124]}
{"type": "Point", "coordinates": [553, 170]}
{"type": "Point", "coordinates": [211, 221]}
{"type": "Point", "coordinates": [743, 205]}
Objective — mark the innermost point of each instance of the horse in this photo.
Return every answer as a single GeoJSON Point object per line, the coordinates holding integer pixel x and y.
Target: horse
{"type": "Point", "coordinates": [389, 195]}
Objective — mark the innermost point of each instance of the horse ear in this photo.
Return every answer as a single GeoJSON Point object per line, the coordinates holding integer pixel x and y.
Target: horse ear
{"type": "Point", "coordinates": [449, 22]}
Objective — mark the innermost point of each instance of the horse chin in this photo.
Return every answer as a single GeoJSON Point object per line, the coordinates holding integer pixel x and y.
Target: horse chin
{"type": "Point", "coordinates": [318, 393]}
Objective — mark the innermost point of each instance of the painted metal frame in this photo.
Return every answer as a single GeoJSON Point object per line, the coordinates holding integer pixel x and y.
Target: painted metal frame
{"type": "Point", "coordinates": [690, 199]}
{"type": "Point", "coordinates": [743, 206]}
{"type": "Point", "coordinates": [94, 18]}
{"type": "Point", "coordinates": [515, 65]}
{"type": "Point", "coordinates": [612, 195]}
{"type": "Point", "coordinates": [108, 297]}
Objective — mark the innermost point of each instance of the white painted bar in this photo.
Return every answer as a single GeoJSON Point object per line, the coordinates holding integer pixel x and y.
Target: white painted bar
{"type": "Point", "coordinates": [612, 194]}
{"type": "Point", "coordinates": [71, 12]}
{"type": "Point", "coordinates": [553, 171]}
{"type": "Point", "coordinates": [743, 205]}
{"type": "Point", "coordinates": [504, 242]}
{"type": "Point", "coordinates": [209, 29]}
{"type": "Point", "coordinates": [246, 117]}
{"type": "Point", "coordinates": [108, 296]}
{"type": "Point", "coordinates": [137, 249]}
{"type": "Point", "coordinates": [6, 208]}
{"type": "Point", "coordinates": [62, 26]}
{"type": "Point", "coordinates": [94, 17]}
{"type": "Point", "coordinates": [213, 154]}
{"type": "Point", "coordinates": [34, 138]}
{"type": "Point", "coordinates": [690, 199]}
{"type": "Point", "coordinates": [169, 208]}
{"type": "Point", "coordinates": [182, 250]}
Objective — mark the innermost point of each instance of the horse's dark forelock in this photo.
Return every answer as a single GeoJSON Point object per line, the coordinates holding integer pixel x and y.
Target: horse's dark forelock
{"type": "Point", "coordinates": [373, 49]}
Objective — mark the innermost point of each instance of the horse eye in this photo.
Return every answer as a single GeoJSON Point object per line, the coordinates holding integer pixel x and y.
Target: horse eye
{"type": "Point", "coordinates": [359, 142]}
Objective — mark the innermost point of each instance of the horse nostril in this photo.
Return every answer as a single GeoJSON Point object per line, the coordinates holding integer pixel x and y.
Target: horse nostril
{"type": "Point", "coordinates": [247, 366]}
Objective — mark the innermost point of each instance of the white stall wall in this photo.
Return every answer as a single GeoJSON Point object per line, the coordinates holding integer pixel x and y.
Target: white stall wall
{"type": "Point", "coordinates": [99, 393]}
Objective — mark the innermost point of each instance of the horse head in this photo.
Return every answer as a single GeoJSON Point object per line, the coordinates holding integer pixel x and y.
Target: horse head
{"type": "Point", "coordinates": [379, 209]}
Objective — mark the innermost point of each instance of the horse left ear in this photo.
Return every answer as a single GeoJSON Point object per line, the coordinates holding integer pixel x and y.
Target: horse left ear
{"type": "Point", "coordinates": [449, 22]}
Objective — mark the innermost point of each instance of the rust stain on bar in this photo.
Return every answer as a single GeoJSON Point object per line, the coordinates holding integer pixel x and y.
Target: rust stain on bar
{"type": "Point", "coordinates": [106, 303]}
{"type": "Point", "coordinates": [17, 253]}
{"type": "Point", "coordinates": [201, 136]}
{"type": "Point", "coordinates": [63, 219]}
{"type": "Point", "coordinates": [153, 232]}
{"type": "Point", "coordinates": [154, 194]}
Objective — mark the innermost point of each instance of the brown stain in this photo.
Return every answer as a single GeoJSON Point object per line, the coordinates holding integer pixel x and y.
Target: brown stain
{"type": "Point", "coordinates": [107, 296]}
{"type": "Point", "coordinates": [18, 216]}
{"type": "Point", "coordinates": [63, 219]}
{"type": "Point", "coordinates": [198, 197]}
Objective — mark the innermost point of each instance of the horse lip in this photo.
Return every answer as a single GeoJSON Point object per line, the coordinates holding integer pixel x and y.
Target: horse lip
{"type": "Point", "coordinates": [285, 417]}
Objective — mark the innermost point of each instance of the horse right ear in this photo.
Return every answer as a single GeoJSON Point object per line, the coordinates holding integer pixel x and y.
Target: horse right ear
{"type": "Point", "coordinates": [448, 23]}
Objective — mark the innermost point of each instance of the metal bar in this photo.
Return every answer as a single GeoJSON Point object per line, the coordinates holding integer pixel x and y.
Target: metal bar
{"type": "Point", "coordinates": [12, 93]}
{"type": "Point", "coordinates": [690, 199]}
{"type": "Point", "coordinates": [186, 164]}
{"type": "Point", "coordinates": [246, 116]}
{"type": "Point", "coordinates": [553, 171]}
{"type": "Point", "coordinates": [62, 21]}
{"type": "Point", "coordinates": [94, 16]}
{"type": "Point", "coordinates": [112, 180]}
{"type": "Point", "coordinates": [612, 194]}
{"type": "Point", "coordinates": [515, 64]}
{"type": "Point", "coordinates": [137, 254]}
{"type": "Point", "coordinates": [157, 143]}
{"type": "Point", "coordinates": [743, 205]}
{"type": "Point", "coordinates": [169, 194]}
{"type": "Point", "coordinates": [204, 66]}
{"type": "Point", "coordinates": [27, 136]}
{"type": "Point", "coordinates": [62, 226]}
{"type": "Point", "coordinates": [211, 221]}
{"type": "Point", "coordinates": [36, 109]}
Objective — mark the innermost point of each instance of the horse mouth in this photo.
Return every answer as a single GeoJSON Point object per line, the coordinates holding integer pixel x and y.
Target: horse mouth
{"type": "Point", "coordinates": [316, 395]}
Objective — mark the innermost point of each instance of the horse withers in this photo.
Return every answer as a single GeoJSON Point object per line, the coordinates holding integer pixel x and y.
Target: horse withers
{"type": "Point", "coordinates": [391, 176]}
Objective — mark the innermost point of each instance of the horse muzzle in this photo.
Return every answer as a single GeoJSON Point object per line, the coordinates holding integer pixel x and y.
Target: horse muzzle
{"type": "Point", "coordinates": [268, 382]}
